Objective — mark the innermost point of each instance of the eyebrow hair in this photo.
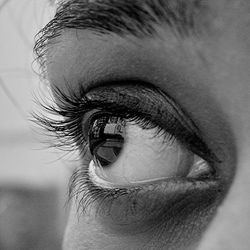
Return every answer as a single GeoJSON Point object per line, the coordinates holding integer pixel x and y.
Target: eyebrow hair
{"type": "Point", "coordinates": [138, 18]}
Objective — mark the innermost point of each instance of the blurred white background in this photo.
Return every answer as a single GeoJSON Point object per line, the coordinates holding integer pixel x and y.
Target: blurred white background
{"type": "Point", "coordinates": [27, 170]}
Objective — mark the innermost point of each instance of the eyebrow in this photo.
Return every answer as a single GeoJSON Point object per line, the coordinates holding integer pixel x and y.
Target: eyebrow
{"type": "Point", "coordinates": [134, 17]}
{"type": "Point", "coordinates": [121, 17]}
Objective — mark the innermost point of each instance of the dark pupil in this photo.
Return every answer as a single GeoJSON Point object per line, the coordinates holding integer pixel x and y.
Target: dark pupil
{"type": "Point", "coordinates": [106, 139]}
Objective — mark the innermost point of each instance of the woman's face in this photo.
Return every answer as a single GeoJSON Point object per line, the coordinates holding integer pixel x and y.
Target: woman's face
{"type": "Point", "coordinates": [155, 97]}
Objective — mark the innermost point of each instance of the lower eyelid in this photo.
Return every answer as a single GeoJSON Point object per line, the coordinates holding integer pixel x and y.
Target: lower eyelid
{"type": "Point", "coordinates": [137, 207]}
{"type": "Point", "coordinates": [169, 202]}
{"type": "Point", "coordinates": [156, 198]}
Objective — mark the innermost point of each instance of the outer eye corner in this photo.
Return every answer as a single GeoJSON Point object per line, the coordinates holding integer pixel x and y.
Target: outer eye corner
{"type": "Point", "coordinates": [107, 136]}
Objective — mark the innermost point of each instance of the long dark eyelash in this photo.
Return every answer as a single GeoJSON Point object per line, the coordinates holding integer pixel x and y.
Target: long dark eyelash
{"type": "Point", "coordinates": [66, 131]}
{"type": "Point", "coordinates": [62, 121]}
{"type": "Point", "coordinates": [65, 127]}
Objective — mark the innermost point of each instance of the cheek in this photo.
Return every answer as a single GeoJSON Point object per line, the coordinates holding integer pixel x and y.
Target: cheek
{"type": "Point", "coordinates": [230, 228]}
{"type": "Point", "coordinates": [177, 225]}
{"type": "Point", "coordinates": [84, 232]}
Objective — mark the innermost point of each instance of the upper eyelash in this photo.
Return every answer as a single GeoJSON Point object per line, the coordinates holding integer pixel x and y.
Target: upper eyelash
{"type": "Point", "coordinates": [67, 131]}
{"type": "Point", "coordinates": [66, 128]}
{"type": "Point", "coordinates": [68, 135]}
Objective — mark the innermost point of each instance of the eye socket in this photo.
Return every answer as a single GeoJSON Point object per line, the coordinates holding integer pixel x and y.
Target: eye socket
{"type": "Point", "coordinates": [154, 192]}
{"type": "Point", "coordinates": [125, 154]}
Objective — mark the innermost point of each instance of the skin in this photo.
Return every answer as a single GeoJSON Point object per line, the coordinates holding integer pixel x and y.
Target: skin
{"type": "Point", "coordinates": [209, 76]}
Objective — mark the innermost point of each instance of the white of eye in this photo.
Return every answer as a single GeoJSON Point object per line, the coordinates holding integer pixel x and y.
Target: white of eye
{"type": "Point", "coordinates": [146, 158]}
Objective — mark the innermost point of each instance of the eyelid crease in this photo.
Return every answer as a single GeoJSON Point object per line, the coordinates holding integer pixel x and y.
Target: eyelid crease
{"type": "Point", "coordinates": [87, 192]}
{"type": "Point", "coordinates": [68, 133]}
{"type": "Point", "coordinates": [134, 99]}
{"type": "Point", "coordinates": [153, 104]}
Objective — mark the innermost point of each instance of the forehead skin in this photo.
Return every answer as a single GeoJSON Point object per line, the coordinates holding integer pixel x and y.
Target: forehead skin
{"type": "Point", "coordinates": [208, 74]}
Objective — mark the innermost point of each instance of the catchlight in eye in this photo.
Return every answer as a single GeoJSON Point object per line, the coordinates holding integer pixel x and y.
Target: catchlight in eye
{"type": "Point", "coordinates": [106, 139]}
{"type": "Point", "coordinates": [125, 154]}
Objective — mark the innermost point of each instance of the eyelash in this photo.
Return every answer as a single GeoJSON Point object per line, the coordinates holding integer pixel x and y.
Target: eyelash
{"type": "Point", "coordinates": [68, 135]}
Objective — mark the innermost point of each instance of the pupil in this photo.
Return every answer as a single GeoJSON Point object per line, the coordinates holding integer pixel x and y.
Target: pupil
{"type": "Point", "coordinates": [106, 139]}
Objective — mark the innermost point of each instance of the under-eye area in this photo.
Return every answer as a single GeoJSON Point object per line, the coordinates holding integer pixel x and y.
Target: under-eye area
{"type": "Point", "coordinates": [143, 161]}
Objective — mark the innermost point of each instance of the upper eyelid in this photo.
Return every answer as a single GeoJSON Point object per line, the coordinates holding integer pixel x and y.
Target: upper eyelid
{"type": "Point", "coordinates": [132, 85]}
{"type": "Point", "coordinates": [72, 107]}
{"type": "Point", "coordinates": [176, 111]}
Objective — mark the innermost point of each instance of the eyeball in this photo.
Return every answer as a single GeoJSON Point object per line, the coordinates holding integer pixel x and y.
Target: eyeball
{"type": "Point", "coordinates": [125, 154]}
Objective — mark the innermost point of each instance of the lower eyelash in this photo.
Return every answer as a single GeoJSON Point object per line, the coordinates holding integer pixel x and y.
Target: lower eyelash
{"type": "Point", "coordinates": [86, 193]}
{"type": "Point", "coordinates": [68, 135]}
{"type": "Point", "coordinates": [90, 197]}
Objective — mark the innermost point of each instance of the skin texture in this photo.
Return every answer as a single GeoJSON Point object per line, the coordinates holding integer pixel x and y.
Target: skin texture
{"type": "Point", "coordinates": [208, 75]}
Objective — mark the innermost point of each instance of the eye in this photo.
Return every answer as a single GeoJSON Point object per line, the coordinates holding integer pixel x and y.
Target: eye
{"type": "Point", "coordinates": [125, 154]}
{"type": "Point", "coordinates": [143, 163]}
{"type": "Point", "coordinates": [138, 149]}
